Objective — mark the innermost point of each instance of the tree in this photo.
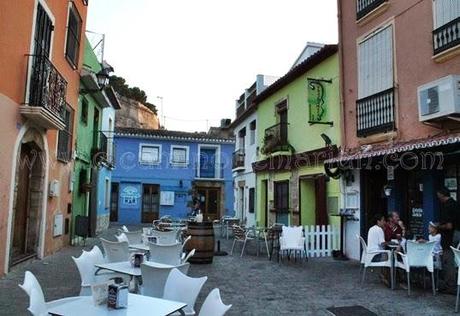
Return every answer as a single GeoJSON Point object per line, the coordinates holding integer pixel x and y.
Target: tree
{"type": "Point", "coordinates": [119, 85]}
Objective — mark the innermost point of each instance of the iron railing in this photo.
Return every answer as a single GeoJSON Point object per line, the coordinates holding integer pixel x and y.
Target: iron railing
{"type": "Point", "coordinates": [47, 87]}
{"type": "Point", "coordinates": [276, 137]}
{"type": "Point", "coordinates": [376, 113]}
{"type": "Point", "coordinates": [364, 7]}
{"type": "Point", "coordinates": [238, 159]}
{"type": "Point", "coordinates": [446, 36]}
{"type": "Point", "coordinates": [218, 173]}
{"type": "Point", "coordinates": [104, 148]}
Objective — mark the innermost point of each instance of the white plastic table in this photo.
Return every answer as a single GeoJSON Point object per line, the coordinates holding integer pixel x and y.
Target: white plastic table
{"type": "Point", "coordinates": [138, 305]}
{"type": "Point", "coordinates": [142, 247]}
{"type": "Point", "coordinates": [125, 267]}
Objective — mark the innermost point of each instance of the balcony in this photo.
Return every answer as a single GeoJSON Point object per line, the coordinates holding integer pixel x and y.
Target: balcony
{"type": "Point", "coordinates": [103, 150]}
{"type": "Point", "coordinates": [364, 7]}
{"type": "Point", "coordinates": [45, 100]}
{"type": "Point", "coordinates": [238, 159]}
{"type": "Point", "coordinates": [276, 138]}
{"type": "Point", "coordinates": [376, 113]}
{"type": "Point", "coordinates": [209, 171]}
{"type": "Point", "coordinates": [446, 36]}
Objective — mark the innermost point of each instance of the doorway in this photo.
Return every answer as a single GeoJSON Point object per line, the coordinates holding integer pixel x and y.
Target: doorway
{"type": "Point", "coordinates": [374, 199]}
{"type": "Point", "coordinates": [209, 202]}
{"type": "Point", "coordinates": [241, 203]}
{"type": "Point", "coordinates": [281, 201]}
{"type": "Point", "coordinates": [264, 200]}
{"type": "Point", "coordinates": [27, 204]}
{"type": "Point", "coordinates": [150, 203]}
{"type": "Point", "coordinates": [114, 202]}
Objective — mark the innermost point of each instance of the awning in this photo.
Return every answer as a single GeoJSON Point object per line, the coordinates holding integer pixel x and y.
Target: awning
{"type": "Point", "coordinates": [369, 151]}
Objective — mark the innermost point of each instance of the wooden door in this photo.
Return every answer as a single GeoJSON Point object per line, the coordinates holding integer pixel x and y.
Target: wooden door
{"type": "Point", "coordinates": [210, 202]}
{"type": "Point", "coordinates": [150, 202]}
{"type": "Point", "coordinates": [321, 201]}
{"type": "Point", "coordinates": [114, 202]}
{"type": "Point", "coordinates": [281, 200]}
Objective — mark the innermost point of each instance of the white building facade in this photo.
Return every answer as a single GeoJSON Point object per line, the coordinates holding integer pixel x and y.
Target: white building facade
{"type": "Point", "coordinates": [245, 130]}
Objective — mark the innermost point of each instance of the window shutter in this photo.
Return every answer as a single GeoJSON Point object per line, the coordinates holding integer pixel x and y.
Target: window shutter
{"type": "Point", "coordinates": [446, 11]}
{"type": "Point", "coordinates": [375, 63]}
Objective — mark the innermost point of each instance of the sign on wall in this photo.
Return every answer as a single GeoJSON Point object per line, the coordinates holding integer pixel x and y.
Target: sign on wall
{"type": "Point", "coordinates": [130, 195]}
{"type": "Point", "coordinates": [167, 198]}
{"type": "Point", "coordinates": [317, 101]}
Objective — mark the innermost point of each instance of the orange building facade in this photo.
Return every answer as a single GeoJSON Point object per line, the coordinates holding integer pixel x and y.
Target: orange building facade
{"type": "Point", "coordinates": [41, 51]}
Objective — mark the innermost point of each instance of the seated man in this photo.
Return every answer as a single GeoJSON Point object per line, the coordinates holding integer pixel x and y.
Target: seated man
{"type": "Point", "coordinates": [394, 229]}
{"type": "Point", "coordinates": [376, 238]}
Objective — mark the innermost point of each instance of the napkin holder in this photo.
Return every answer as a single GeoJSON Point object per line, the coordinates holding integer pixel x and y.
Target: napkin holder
{"type": "Point", "coordinates": [117, 296]}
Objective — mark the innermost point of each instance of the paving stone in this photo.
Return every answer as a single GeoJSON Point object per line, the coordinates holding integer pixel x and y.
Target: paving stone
{"type": "Point", "coordinates": [254, 285]}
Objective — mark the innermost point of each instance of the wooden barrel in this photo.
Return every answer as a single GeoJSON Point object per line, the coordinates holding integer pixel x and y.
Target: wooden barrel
{"type": "Point", "coordinates": [202, 241]}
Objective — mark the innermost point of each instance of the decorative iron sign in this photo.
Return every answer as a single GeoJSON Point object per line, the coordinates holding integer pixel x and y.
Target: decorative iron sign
{"type": "Point", "coordinates": [317, 101]}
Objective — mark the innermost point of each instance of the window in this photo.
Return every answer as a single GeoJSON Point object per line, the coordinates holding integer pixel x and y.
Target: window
{"type": "Point", "coordinates": [241, 137]}
{"type": "Point", "coordinates": [84, 111]}
{"type": "Point", "coordinates": [179, 155]}
{"type": "Point", "coordinates": [375, 63]}
{"type": "Point", "coordinates": [150, 154]}
{"type": "Point", "coordinates": [251, 200]}
{"type": "Point", "coordinates": [73, 36]}
{"type": "Point", "coordinates": [107, 193]}
{"type": "Point", "coordinates": [446, 25]}
{"type": "Point", "coordinates": [252, 134]}
{"type": "Point", "coordinates": [64, 150]}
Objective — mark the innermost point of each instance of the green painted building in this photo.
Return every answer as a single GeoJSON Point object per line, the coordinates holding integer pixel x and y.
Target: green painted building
{"type": "Point", "coordinates": [88, 140]}
{"type": "Point", "coordinates": [298, 128]}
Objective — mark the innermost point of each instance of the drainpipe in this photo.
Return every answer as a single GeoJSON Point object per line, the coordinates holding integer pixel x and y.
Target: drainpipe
{"type": "Point", "coordinates": [341, 76]}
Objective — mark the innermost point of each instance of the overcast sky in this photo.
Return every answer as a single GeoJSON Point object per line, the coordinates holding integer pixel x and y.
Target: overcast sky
{"type": "Point", "coordinates": [200, 55]}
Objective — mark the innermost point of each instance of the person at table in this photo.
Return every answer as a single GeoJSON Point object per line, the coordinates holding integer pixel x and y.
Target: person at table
{"type": "Point", "coordinates": [394, 228]}
{"type": "Point", "coordinates": [448, 210]}
{"type": "Point", "coordinates": [376, 237]}
{"type": "Point", "coordinates": [434, 235]}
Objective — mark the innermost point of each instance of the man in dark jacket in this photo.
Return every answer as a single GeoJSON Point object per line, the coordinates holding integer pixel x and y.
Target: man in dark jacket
{"type": "Point", "coordinates": [449, 218]}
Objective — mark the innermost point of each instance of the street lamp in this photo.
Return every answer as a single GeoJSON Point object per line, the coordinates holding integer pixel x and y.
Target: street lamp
{"type": "Point", "coordinates": [102, 79]}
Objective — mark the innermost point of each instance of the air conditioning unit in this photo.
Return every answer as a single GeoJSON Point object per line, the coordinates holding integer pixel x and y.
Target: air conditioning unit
{"type": "Point", "coordinates": [439, 99]}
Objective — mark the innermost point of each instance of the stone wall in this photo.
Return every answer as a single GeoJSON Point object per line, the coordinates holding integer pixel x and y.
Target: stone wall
{"type": "Point", "coordinates": [135, 114]}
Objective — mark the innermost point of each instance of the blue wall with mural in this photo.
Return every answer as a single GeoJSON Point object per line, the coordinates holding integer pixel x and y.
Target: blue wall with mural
{"type": "Point", "coordinates": [160, 170]}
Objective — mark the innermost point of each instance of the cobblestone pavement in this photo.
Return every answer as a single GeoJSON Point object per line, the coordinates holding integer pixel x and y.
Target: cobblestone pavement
{"type": "Point", "coordinates": [254, 285]}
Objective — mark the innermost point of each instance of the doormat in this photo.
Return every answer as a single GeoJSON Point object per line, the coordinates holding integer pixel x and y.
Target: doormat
{"type": "Point", "coordinates": [355, 310]}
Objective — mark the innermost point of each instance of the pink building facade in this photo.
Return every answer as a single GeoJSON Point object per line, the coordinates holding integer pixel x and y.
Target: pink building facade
{"type": "Point", "coordinates": [400, 77]}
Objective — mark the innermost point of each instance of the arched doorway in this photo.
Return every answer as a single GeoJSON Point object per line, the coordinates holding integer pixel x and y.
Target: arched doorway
{"type": "Point", "coordinates": [28, 198]}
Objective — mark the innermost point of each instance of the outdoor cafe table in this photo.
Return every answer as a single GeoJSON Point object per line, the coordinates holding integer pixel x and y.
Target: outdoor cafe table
{"type": "Point", "coordinates": [138, 305]}
{"type": "Point", "coordinates": [125, 267]}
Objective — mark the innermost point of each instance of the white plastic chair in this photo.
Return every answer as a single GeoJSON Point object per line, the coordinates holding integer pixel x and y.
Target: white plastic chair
{"type": "Point", "coordinates": [292, 240]}
{"type": "Point", "coordinates": [154, 277]}
{"type": "Point", "coordinates": [124, 229]}
{"type": "Point", "coordinates": [189, 255]}
{"type": "Point", "coordinates": [166, 254]}
{"type": "Point", "coordinates": [164, 238]}
{"type": "Point", "coordinates": [240, 235]}
{"type": "Point", "coordinates": [457, 261]}
{"type": "Point", "coordinates": [134, 237]}
{"type": "Point", "coordinates": [418, 255]}
{"type": "Point", "coordinates": [367, 257]}
{"type": "Point", "coordinates": [185, 242]}
{"type": "Point", "coordinates": [213, 305]}
{"type": "Point", "coordinates": [122, 237]}
{"type": "Point", "coordinates": [37, 304]}
{"type": "Point", "coordinates": [85, 266]}
{"type": "Point", "coordinates": [182, 288]}
{"type": "Point", "coordinates": [116, 251]}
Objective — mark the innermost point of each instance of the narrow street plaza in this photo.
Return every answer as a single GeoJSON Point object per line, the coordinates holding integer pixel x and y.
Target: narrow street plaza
{"type": "Point", "coordinates": [253, 285]}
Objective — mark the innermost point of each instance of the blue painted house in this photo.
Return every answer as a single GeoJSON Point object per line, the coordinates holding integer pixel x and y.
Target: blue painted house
{"type": "Point", "coordinates": [160, 172]}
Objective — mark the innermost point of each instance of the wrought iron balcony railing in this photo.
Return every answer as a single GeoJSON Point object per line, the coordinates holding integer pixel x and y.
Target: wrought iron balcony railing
{"type": "Point", "coordinates": [47, 87]}
{"type": "Point", "coordinates": [376, 113]}
{"type": "Point", "coordinates": [446, 36]}
{"type": "Point", "coordinates": [364, 7]}
{"type": "Point", "coordinates": [238, 159]}
{"type": "Point", "coordinates": [276, 138]}
{"type": "Point", "coordinates": [104, 149]}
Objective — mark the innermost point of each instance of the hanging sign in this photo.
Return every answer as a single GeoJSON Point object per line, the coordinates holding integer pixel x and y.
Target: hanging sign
{"type": "Point", "coordinates": [317, 101]}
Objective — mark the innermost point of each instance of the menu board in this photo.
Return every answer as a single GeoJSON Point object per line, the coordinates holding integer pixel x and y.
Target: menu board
{"type": "Point", "coordinates": [416, 222]}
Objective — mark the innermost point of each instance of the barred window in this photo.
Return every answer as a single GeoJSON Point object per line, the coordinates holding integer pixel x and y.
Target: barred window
{"type": "Point", "coordinates": [73, 36]}
{"type": "Point", "coordinates": [64, 152]}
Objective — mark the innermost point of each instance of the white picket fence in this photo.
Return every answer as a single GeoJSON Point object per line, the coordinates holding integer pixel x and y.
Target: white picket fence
{"type": "Point", "coordinates": [321, 240]}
